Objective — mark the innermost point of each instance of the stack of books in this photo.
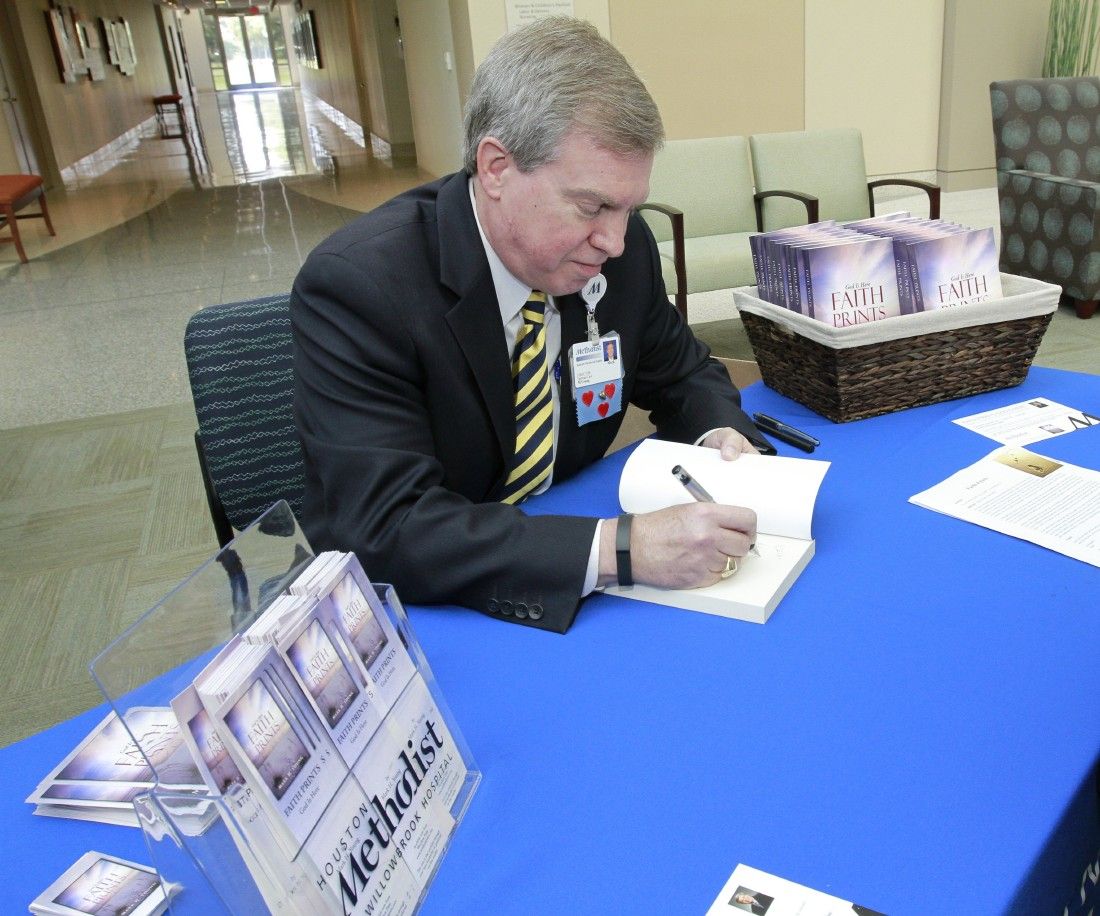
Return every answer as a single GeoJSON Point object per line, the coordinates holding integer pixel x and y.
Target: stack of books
{"type": "Point", "coordinates": [882, 267]}
{"type": "Point", "coordinates": [101, 777]}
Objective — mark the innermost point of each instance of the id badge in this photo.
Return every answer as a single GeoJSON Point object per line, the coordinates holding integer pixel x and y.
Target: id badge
{"type": "Point", "coordinates": [597, 370]}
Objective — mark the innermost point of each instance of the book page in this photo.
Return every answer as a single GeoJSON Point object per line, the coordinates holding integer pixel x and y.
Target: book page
{"type": "Point", "coordinates": [1028, 496]}
{"type": "Point", "coordinates": [781, 491]}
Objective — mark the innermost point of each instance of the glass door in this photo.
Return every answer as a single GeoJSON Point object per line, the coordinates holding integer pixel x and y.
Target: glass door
{"type": "Point", "coordinates": [247, 51]}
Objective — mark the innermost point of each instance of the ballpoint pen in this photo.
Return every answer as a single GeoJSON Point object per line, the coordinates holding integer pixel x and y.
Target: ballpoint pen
{"type": "Point", "coordinates": [700, 495]}
{"type": "Point", "coordinates": [785, 432]}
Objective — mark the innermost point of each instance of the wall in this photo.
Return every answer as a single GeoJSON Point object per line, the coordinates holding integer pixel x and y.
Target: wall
{"type": "Point", "coordinates": [717, 68]}
{"type": "Point", "coordinates": [433, 86]}
{"type": "Point", "coordinates": [80, 118]}
{"type": "Point", "coordinates": [875, 65]}
{"type": "Point", "coordinates": [387, 86]}
{"type": "Point", "coordinates": [971, 61]}
{"type": "Point", "coordinates": [198, 58]}
{"type": "Point", "coordinates": [335, 82]}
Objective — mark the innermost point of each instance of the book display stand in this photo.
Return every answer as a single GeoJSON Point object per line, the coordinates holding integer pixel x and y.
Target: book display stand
{"type": "Point", "coordinates": [327, 828]}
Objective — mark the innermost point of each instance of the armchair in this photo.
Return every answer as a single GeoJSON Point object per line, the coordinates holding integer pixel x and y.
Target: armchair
{"type": "Point", "coordinates": [700, 211]}
{"type": "Point", "coordinates": [822, 168]}
{"type": "Point", "coordinates": [1048, 168]}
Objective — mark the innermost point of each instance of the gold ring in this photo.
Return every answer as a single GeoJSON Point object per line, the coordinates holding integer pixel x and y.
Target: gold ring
{"type": "Point", "coordinates": [731, 567]}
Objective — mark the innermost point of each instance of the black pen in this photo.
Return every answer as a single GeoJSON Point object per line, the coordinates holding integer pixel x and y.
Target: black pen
{"type": "Point", "coordinates": [699, 494]}
{"type": "Point", "coordinates": [785, 432]}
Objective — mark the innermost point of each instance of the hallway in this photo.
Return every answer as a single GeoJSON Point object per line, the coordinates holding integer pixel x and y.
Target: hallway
{"type": "Point", "coordinates": [146, 239]}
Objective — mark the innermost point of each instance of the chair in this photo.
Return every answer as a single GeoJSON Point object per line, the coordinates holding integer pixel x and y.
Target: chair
{"type": "Point", "coordinates": [826, 165]}
{"type": "Point", "coordinates": [702, 191]}
{"type": "Point", "coordinates": [636, 425]}
{"type": "Point", "coordinates": [1047, 142]}
{"type": "Point", "coordinates": [167, 107]}
{"type": "Point", "coordinates": [17, 192]}
{"type": "Point", "coordinates": [240, 364]}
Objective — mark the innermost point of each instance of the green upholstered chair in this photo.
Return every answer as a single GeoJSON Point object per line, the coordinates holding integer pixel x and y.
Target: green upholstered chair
{"type": "Point", "coordinates": [1047, 137]}
{"type": "Point", "coordinates": [824, 164]}
{"type": "Point", "coordinates": [241, 368]}
{"type": "Point", "coordinates": [700, 209]}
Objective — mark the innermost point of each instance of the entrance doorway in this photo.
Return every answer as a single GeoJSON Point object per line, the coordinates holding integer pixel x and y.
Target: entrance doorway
{"type": "Point", "coordinates": [247, 51]}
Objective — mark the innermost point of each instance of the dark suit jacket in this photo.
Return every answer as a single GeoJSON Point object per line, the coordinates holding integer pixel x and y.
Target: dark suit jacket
{"type": "Point", "coordinates": [403, 401]}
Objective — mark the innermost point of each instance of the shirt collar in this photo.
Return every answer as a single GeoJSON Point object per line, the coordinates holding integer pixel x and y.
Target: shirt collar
{"type": "Point", "coordinates": [511, 292]}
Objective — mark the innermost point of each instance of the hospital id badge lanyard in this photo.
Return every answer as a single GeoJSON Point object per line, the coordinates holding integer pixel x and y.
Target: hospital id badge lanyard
{"type": "Point", "coordinates": [597, 365]}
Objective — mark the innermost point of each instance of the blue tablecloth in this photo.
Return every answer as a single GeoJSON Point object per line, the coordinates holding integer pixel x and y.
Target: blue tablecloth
{"type": "Point", "coordinates": [917, 728]}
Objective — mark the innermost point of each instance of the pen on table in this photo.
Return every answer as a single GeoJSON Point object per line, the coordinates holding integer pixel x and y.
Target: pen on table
{"type": "Point", "coordinates": [699, 494]}
{"type": "Point", "coordinates": [785, 432]}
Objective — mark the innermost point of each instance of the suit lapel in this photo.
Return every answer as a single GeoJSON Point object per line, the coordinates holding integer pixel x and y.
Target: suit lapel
{"type": "Point", "coordinates": [475, 318]}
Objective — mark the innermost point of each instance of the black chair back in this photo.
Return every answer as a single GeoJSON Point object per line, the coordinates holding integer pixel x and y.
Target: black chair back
{"type": "Point", "coordinates": [240, 364]}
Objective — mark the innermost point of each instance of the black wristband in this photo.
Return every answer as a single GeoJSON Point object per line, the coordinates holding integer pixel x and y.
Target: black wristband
{"type": "Point", "coordinates": [622, 551]}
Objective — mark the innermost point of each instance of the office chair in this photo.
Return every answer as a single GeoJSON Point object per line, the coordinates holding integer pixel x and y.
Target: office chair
{"type": "Point", "coordinates": [826, 168]}
{"type": "Point", "coordinates": [240, 365]}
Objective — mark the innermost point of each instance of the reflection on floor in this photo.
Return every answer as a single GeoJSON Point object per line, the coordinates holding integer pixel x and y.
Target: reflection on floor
{"type": "Point", "coordinates": [101, 507]}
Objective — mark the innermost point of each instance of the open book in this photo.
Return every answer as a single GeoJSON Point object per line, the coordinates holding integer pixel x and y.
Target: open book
{"type": "Point", "coordinates": [782, 491]}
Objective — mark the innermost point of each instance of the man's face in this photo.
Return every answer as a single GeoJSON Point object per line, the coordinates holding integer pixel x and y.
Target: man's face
{"type": "Point", "coordinates": [554, 227]}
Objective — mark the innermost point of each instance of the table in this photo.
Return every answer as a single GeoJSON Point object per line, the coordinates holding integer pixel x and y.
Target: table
{"type": "Point", "coordinates": [916, 728]}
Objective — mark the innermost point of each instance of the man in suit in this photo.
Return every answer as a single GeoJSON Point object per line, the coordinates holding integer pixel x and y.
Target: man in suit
{"type": "Point", "coordinates": [405, 327]}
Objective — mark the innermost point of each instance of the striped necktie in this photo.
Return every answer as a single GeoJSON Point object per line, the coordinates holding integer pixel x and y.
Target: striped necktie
{"type": "Point", "coordinates": [534, 405]}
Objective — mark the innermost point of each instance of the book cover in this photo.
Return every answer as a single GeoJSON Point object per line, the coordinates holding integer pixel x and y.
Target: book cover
{"type": "Point", "coordinates": [102, 884]}
{"type": "Point", "coordinates": [957, 269]}
{"type": "Point", "coordinates": [852, 284]}
{"type": "Point", "coordinates": [782, 491]}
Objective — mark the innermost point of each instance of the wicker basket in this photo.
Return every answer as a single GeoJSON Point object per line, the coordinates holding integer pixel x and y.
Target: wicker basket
{"type": "Point", "coordinates": [927, 358]}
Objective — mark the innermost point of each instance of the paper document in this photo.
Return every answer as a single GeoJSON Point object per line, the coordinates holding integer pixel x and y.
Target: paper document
{"type": "Point", "coordinates": [1017, 492]}
{"type": "Point", "coordinates": [750, 890]}
{"type": "Point", "coordinates": [1028, 422]}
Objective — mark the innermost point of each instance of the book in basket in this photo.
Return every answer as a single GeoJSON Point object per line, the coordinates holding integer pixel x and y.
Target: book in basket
{"type": "Point", "coordinates": [782, 492]}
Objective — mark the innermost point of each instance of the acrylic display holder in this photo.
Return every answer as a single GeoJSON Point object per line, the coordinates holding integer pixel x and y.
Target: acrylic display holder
{"type": "Point", "coordinates": [222, 851]}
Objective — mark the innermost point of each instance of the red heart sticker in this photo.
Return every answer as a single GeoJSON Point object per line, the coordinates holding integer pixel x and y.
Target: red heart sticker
{"type": "Point", "coordinates": [609, 389]}
{"type": "Point", "coordinates": [602, 409]}
{"type": "Point", "coordinates": [587, 398]}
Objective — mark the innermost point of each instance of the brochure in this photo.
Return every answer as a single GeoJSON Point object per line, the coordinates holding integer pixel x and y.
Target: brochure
{"type": "Point", "coordinates": [782, 491]}
{"type": "Point", "coordinates": [99, 884]}
{"type": "Point", "coordinates": [750, 890]}
{"type": "Point", "coordinates": [1028, 422]}
{"type": "Point", "coordinates": [1028, 496]}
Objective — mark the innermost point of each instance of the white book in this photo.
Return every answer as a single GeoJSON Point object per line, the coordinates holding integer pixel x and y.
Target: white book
{"type": "Point", "coordinates": [781, 491]}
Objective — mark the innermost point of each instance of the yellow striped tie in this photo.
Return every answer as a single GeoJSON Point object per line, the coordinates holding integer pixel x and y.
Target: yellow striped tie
{"type": "Point", "coordinates": [534, 405]}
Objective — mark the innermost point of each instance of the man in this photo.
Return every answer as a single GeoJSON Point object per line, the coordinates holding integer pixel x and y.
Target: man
{"type": "Point", "coordinates": [409, 321]}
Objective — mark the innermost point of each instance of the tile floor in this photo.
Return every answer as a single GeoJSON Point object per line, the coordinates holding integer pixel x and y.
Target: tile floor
{"type": "Point", "coordinates": [101, 506]}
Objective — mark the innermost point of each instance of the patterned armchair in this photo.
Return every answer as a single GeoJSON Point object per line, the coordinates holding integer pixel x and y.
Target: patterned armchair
{"type": "Point", "coordinates": [1047, 136]}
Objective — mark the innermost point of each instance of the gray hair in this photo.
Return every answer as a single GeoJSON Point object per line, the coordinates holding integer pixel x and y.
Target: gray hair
{"type": "Point", "coordinates": [551, 76]}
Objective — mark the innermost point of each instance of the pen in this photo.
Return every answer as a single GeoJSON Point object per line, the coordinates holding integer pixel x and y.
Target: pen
{"type": "Point", "coordinates": [785, 432]}
{"type": "Point", "coordinates": [699, 494]}
{"type": "Point", "coordinates": [692, 485]}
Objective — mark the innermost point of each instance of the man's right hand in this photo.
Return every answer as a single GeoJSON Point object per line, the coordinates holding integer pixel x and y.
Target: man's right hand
{"type": "Point", "coordinates": [684, 546]}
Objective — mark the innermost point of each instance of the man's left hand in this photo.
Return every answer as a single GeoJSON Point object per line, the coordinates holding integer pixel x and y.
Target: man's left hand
{"type": "Point", "coordinates": [730, 443]}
